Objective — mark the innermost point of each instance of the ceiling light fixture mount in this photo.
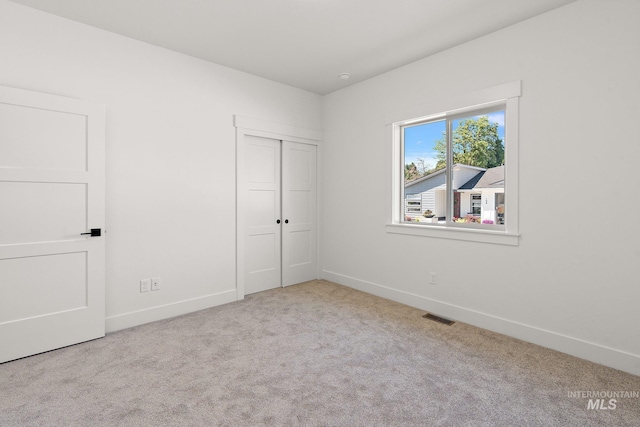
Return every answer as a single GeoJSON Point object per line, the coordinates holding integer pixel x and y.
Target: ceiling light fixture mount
{"type": "Point", "coordinates": [344, 76]}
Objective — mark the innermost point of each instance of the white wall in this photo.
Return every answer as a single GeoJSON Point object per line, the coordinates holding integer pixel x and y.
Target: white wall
{"type": "Point", "coordinates": [170, 152]}
{"type": "Point", "coordinates": [572, 283]}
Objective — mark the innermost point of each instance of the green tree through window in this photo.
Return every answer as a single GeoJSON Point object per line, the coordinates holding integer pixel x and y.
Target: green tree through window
{"type": "Point", "coordinates": [475, 142]}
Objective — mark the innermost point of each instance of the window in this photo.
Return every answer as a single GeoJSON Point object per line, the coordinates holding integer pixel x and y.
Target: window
{"type": "Point", "coordinates": [476, 204]}
{"type": "Point", "coordinates": [455, 163]}
{"type": "Point", "coordinates": [413, 204]}
{"type": "Point", "coordinates": [459, 164]}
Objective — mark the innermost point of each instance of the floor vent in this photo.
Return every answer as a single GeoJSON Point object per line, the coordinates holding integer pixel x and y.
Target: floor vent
{"type": "Point", "coordinates": [438, 319]}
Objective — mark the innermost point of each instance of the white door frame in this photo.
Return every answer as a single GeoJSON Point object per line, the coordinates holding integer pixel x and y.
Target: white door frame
{"type": "Point", "coordinates": [246, 126]}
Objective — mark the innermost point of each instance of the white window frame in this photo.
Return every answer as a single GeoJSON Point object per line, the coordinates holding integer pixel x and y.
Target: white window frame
{"type": "Point", "coordinates": [506, 95]}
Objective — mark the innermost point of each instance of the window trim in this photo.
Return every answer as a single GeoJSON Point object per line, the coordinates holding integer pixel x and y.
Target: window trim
{"type": "Point", "coordinates": [507, 95]}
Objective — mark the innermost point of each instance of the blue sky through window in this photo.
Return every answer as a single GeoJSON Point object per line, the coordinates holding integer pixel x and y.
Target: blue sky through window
{"type": "Point", "coordinates": [419, 140]}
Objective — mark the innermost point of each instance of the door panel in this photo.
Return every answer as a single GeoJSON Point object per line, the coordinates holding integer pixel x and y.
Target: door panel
{"type": "Point", "coordinates": [52, 190]}
{"type": "Point", "coordinates": [59, 141]}
{"type": "Point", "coordinates": [299, 207]}
{"type": "Point", "coordinates": [299, 241]}
{"type": "Point", "coordinates": [261, 258]}
{"type": "Point", "coordinates": [53, 211]}
{"type": "Point", "coordinates": [64, 289]}
{"type": "Point", "coordinates": [262, 207]}
{"type": "Point", "coordinates": [262, 161]}
{"type": "Point", "coordinates": [262, 240]}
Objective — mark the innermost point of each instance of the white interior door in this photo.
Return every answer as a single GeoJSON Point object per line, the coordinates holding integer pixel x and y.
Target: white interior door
{"type": "Point", "coordinates": [277, 211]}
{"type": "Point", "coordinates": [51, 191]}
{"type": "Point", "coordinates": [299, 230]}
{"type": "Point", "coordinates": [262, 214]}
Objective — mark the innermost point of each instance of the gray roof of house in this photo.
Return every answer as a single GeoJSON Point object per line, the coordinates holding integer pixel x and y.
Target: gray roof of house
{"type": "Point", "coordinates": [438, 172]}
{"type": "Point", "coordinates": [491, 178]}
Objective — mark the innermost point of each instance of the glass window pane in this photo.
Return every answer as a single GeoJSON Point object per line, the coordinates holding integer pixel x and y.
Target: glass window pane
{"type": "Point", "coordinates": [424, 156]}
{"type": "Point", "coordinates": [478, 172]}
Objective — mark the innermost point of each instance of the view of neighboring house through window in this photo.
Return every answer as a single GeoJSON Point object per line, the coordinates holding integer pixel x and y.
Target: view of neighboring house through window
{"type": "Point", "coordinates": [454, 169]}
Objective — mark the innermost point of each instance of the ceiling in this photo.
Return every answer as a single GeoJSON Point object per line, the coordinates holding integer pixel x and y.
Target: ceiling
{"type": "Point", "coordinates": [302, 43]}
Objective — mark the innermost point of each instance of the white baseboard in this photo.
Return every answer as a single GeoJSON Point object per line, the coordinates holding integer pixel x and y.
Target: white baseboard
{"type": "Point", "coordinates": [140, 317]}
{"type": "Point", "coordinates": [596, 353]}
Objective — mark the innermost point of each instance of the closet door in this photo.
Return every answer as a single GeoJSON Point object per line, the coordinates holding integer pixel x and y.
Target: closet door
{"type": "Point", "coordinates": [262, 214]}
{"type": "Point", "coordinates": [277, 213]}
{"type": "Point", "coordinates": [299, 229]}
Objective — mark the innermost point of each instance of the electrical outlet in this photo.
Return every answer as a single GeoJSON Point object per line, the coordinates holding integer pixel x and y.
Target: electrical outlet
{"type": "Point", "coordinates": [433, 279]}
{"type": "Point", "coordinates": [155, 283]}
{"type": "Point", "coordinates": [145, 285]}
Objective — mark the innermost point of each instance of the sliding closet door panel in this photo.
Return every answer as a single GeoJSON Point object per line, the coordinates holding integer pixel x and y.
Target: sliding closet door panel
{"type": "Point", "coordinates": [299, 206]}
{"type": "Point", "coordinates": [262, 239]}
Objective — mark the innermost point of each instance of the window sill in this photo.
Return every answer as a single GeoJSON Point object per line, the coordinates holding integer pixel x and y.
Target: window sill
{"type": "Point", "coordinates": [466, 234]}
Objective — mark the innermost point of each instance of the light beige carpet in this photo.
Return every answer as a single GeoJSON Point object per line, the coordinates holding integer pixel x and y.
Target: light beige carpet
{"type": "Point", "coordinates": [315, 354]}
